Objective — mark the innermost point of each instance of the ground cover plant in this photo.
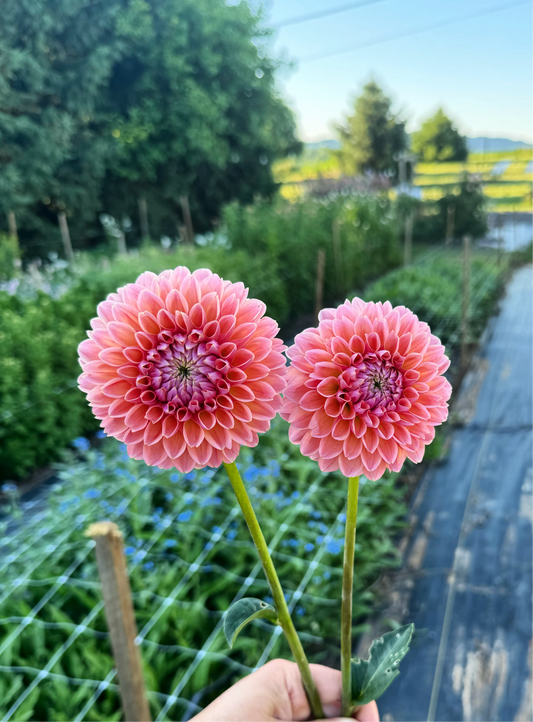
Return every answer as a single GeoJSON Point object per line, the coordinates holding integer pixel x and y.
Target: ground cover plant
{"type": "Point", "coordinates": [189, 557]}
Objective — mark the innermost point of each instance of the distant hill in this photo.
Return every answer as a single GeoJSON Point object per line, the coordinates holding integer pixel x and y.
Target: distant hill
{"type": "Point", "coordinates": [475, 145]}
{"type": "Point", "coordinates": [334, 144]}
{"type": "Point", "coordinates": [493, 145]}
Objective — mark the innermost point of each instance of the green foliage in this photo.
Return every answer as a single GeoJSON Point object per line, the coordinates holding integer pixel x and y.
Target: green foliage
{"type": "Point", "coordinates": [469, 214]}
{"type": "Point", "coordinates": [370, 678]}
{"type": "Point", "coordinates": [288, 236]}
{"type": "Point", "coordinates": [243, 612]}
{"type": "Point", "coordinates": [372, 136]}
{"type": "Point", "coordinates": [9, 256]}
{"type": "Point", "coordinates": [439, 140]}
{"type": "Point", "coordinates": [273, 251]}
{"type": "Point", "coordinates": [103, 104]}
{"type": "Point", "coordinates": [185, 541]}
{"type": "Point", "coordinates": [432, 288]}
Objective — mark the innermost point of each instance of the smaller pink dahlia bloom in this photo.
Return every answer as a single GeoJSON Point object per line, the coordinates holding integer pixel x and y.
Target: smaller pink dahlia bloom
{"type": "Point", "coordinates": [365, 389]}
{"type": "Point", "coordinates": [184, 368]}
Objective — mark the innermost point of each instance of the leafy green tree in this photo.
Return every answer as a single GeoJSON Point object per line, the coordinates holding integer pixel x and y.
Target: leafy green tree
{"type": "Point", "coordinates": [103, 104]}
{"type": "Point", "coordinates": [439, 140]}
{"type": "Point", "coordinates": [193, 109]}
{"type": "Point", "coordinates": [373, 136]}
{"type": "Point", "coordinates": [55, 58]}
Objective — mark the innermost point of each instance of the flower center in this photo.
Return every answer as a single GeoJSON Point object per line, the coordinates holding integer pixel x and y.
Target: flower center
{"type": "Point", "coordinates": [373, 384]}
{"type": "Point", "coordinates": [182, 373]}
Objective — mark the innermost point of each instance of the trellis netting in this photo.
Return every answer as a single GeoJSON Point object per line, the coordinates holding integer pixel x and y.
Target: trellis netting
{"type": "Point", "coordinates": [189, 556]}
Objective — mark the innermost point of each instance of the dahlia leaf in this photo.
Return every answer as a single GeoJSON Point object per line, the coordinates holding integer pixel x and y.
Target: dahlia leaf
{"type": "Point", "coordinates": [243, 612]}
{"type": "Point", "coordinates": [370, 678]}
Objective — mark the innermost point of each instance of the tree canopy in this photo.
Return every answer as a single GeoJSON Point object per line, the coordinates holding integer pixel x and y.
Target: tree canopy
{"type": "Point", "coordinates": [439, 140]}
{"type": "Point", "coordinates": [373, 136]}
{"type": "Point", "coordinates": [104, 103]}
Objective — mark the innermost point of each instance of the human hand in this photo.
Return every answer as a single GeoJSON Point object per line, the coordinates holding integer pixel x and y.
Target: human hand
{"type": "Point", "coordinates": [275, 692]}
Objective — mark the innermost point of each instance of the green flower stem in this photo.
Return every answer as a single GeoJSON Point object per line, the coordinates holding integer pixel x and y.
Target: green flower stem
{"type": "Point", "coordinates": [284, 616]}
{"type": "Point", "coordinates": [347, 595]}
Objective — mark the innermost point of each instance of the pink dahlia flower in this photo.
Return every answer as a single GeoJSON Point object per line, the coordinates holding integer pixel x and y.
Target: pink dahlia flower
{"type": "Point", "coordinates": [184, 368]}
{"type": "Point", "coordinates": [365, 389]}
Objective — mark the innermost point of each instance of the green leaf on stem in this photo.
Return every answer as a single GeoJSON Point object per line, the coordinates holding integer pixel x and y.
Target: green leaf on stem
{"type": "Point", "coordinates": [243, 612]}
{"type": "Point", "coordinates": [370, 678]}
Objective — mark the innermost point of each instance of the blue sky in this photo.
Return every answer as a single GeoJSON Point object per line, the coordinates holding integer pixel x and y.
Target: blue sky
{"type": "Point", "coordinates": [478, 69]}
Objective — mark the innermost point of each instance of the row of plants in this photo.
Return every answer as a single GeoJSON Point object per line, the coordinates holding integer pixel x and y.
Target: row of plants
{"type": "Point", "coordinates": [272, 248]}
{"type": "Point", "coordinates": [183, 535]}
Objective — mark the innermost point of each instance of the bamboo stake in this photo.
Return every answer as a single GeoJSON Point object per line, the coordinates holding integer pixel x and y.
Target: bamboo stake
{"type": "Point", "coordinates": [120, 619]}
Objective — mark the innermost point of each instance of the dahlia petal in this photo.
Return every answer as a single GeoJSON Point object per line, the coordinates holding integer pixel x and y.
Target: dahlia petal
{"type": "Point", "coordinates": [350, 467]}
{"type": "Point", "coordinates": [370, 460]}
{"type": "Point", "coordinates": [121, 333]}
{"type": "Point", "coordinates": [330, 447]}
{"type": "Point", "coordinates": [321, 424]}
{"type": "Point", "coordinates": [341, 429]}
{"type": "Point", "coordinates": [328, 386]}
{"type": "Point", "coordinates": [371, 439]}
{"type": "Point", "coordinates": [136, 417]}
{"type": "Point", "coordinates": [174, 445]}
{"type": "Point", "coordinates": [88, 350]}
{"type": "Point", "coordinates": [116, 388]}
{"type": "Point", "coordinates": [193, 433]}
{"type": "Point", "coordinates": [388, 450]}
{"type": "Point", "coordinates": [153, 433]}
{"type": "Point", "coordinates": [312, 401]}
{"type": "Point", "coordinates": [412, 360]}
{"type": "Point", "coordinates": [352, 447]}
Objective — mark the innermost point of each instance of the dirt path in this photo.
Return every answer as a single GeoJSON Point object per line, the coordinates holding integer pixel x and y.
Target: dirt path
{"type": "Point", "coordinates": [468, 579]}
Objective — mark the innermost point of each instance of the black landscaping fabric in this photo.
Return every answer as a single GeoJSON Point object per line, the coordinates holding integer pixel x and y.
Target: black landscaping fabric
{"type": "Point", "coordinates": [471, 566]}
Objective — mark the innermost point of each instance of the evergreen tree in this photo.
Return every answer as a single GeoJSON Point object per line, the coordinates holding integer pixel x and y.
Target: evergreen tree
{"type": "Point", "coordinates": [439, 140]}
{"type": "Point", "coordinates": [373, 136]}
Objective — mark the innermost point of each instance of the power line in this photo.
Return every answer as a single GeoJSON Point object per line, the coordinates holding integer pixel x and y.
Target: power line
{"type": "Point", "coordinates": [414, 31]}
{"type": "Point", "coordinates": [323, 13]}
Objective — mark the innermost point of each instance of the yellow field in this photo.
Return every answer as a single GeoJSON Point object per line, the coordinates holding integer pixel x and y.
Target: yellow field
{"type": "Point", "coordinates": [507, 190]}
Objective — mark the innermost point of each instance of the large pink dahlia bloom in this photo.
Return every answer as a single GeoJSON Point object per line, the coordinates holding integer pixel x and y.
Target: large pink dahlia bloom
{"type": "Point", "coordinates": [365, 388]}
{"type": "Point", "coordinates": [184, 368]}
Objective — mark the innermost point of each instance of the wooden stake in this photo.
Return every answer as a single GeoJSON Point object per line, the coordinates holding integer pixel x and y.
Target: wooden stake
{"type": "Point", "coordinates": [12, 224]}
{"type": "Point", "coordinates": [320, 267]}
{"type": "Point", "coordinates": [143, 218]}
{"type": "Point", "coordinates": [120, 619]}
{"type": "Point", "coordinates": [337, 255]}
{"type": "Point", "coordinates": [186, 210]}
{"type": "Point", "coordinates": [121, 243]}
{"type": "Point", "coordinates": [466, 300]}
{"type": "Point", "coordinates": [408, 247]}
{"type": "Point", "coordinates": [65, 236]}
{"type": "Point", "coordinates": [450, 225]}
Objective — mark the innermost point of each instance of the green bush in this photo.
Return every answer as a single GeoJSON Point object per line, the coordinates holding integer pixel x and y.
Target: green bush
{"type": "Point", "coordinates": [9, 256]}
{"type": "Point", "coordinates": [288, 236]}
{"type": "Point", "coordinates": [432, 288]}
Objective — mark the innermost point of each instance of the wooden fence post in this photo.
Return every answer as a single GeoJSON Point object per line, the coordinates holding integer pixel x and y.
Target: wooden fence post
{"type": "Point", "coordinates": [319, 294]}
{"type": "Point", "coordinates": [408, 246]}
{"type": "Point", "coordinates": [187, 218]}
{"type": "Point", "coordinates": [450, 225]}
{"type": "Point", "coordinates": [120, 619]}
{"type": "Point", "coordinates": [143, 218]}
{"type": "Point", "coordinates": [12, 225]}
{"type": "Point", "coordinates": [337, 255]}
{"type": "Point", "coordinates": [65, 236]}
{"type": "Point", "coordinates": [466, 300]}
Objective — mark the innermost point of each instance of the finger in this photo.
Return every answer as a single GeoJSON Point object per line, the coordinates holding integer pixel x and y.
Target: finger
{"type": "Point", "coordinates": [367, 713]}
{"type": "Point", "coordinates": [328, 682]}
